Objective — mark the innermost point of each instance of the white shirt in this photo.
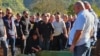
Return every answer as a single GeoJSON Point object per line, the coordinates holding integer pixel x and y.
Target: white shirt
{"type": "Point", "coordinates": [84, 22]}
{"type": "Point", "coordinates": [37, 20]}
{"type": "Point", "coordinates": [96, 21]}
{"type": "Point", "coordinates": [58, 27]}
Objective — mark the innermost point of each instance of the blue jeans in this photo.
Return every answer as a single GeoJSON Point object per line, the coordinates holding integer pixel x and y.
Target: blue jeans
{"type": "Point", "coordinates": [81, 50]}
{"type": "Point", "coordinates": [4, 45]}
{"type": "Point", "coordinates": [11, 41]}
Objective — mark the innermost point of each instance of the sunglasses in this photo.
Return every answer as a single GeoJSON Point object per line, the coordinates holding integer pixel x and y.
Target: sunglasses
{"type": "Point", "coordinates": [0, 12]}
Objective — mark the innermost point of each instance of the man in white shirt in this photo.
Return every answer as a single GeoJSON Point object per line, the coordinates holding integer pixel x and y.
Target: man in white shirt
{"type": "Point", "coordinates": [96, 21]}
{"type": "Point", "coordinates": [80, 33]}
{"type": "Point", "coordinates": [59, 32]}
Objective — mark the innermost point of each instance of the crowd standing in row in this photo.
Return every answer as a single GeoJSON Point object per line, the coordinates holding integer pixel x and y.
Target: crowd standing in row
{"type": "Point", "coordinates": [51, 32]}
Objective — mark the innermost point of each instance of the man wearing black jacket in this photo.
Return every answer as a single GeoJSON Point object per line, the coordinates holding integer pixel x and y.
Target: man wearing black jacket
{"type": "Point", "coordinates": [19, 32]}
{"type": "Point", "coordinates": [25, 23]}
{"type": "Point", "coordinates": [46, 32]}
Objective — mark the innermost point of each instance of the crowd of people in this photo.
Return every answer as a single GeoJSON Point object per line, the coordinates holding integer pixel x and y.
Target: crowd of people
{"type": "Point", "coordinates": [34, 33]}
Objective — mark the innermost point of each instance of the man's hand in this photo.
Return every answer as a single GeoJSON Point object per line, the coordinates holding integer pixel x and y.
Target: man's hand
{"type": "Point", "coordinates": [23, 37]}
{"type": "Point", "coordinates": [5, 37]}
{"type": "Point", "coordinates": [72, 48]}
{"type": "Point", "coordinates": [51, 38]}
{"type": "Point", "coordinates": [16, 36]}
{"type": "Point", "coordinates": [66, 35]}
{"type": "Point", "coordinates": [34, 49]}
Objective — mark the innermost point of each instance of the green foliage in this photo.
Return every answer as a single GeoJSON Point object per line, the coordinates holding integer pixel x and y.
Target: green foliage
{"type": "Point", "coordinates": [16, 5]}
{"type": "Point", "coordinates": [51, 6]}
{"type": "Point", "coordinates": [96, 9]}
{"type": "Point", "coordinates": [70, 10]}
{"type": "Point", "coordinates": [94, 6]}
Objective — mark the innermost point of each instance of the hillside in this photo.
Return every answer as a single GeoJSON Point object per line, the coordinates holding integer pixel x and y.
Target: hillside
{"type": "Point", "coordinates": [42, 5]}
{"type": "Point", "coordinates": [28, 3]}
{"type": "Point", "coordinates": [48, 6]}
{"type": "Point", "coordinates": [53, 5]}
{"type": "Point", "coordinates": [16, 5]}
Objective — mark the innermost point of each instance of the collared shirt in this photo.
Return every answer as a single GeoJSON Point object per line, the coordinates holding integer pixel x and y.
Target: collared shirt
{"type": "Point", "coordinates": [58, 27]}
{"type": "Point", "coordinates": [84, 22]}
{"type": "Point", "coordinates": [47, 29]}
{"type": "Point", "coordinates": [96, 21]}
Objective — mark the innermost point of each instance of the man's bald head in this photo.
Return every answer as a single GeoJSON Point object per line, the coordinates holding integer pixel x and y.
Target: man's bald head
{"type": "Point", "coordinates": [79, 6]}
{"type": "Point", "coordinates": [87, 5]}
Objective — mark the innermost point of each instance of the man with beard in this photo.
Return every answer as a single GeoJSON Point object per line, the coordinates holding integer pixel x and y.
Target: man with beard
{"type": "Point", "coordinates": [25, 23]}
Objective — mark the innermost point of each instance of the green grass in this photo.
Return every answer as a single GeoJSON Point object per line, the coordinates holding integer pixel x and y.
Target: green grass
{"type": "Point", "coordinates": [50, 53]}
{"type": "Point", "coordinates": [54, 53]}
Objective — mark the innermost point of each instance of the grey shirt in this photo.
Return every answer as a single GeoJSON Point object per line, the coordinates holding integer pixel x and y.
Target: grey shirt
{"type": "Point", "coordinates": [1, 28]}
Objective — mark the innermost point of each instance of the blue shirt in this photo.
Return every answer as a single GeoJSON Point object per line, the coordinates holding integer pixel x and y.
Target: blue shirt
{"type": "Point", "coordinates": [84, 22]}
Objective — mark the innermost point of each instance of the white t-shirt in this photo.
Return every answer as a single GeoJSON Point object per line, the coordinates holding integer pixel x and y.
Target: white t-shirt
{"type": "Point", "coordinates": [58, 27]}
{"type": "Point", "coordinates": [84, 22]}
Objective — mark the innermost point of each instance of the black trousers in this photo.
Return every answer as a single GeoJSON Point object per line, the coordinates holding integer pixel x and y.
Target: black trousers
{"type": "Point", "coordinates": [59, 42]}
{"type": "Point", "coordinates": [21, 43]}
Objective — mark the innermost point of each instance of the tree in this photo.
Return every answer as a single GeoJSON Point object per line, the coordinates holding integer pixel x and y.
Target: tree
{"type": "Point", "coordinates": [96, 9]}
{"type": "Point", "coordinates": [51, 6]}
{"type": "Point", "coordinates": [70, 10]}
